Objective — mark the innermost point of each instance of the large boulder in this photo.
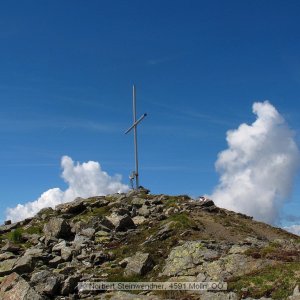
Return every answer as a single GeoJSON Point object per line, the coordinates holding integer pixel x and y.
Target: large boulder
{"type": "Point", "coordinates": [75, 207]}
{"type": "Point", "coordinates": [57, 228]}
{"type": "Point", "coordinates": [46, 283]}
{"type": "Point", "coordinates": [121, 223]}
{"type": "Point", "coordinates": [70, 284]}
{"type": "Point", "coordinates": [6, 266]}
{"type": "Point", "coordinates": [11, 247]}
{"type": "Point", "coordinates": [183, 259]}
{"type": "Point", "coordinates": [139, 264]}
{"type": "Point", "coordinates": [24, 264]}
{"type": "Point", "coordinates": [14, 287]}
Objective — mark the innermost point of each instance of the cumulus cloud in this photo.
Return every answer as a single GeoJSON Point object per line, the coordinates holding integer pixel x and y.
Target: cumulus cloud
{"type": "Point", "coordinates": [258, 168]}
{"type": "Point", "coordinates": [84, 180]}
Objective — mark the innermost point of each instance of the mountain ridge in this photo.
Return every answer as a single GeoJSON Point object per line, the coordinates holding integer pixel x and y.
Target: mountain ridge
{"type": "Point", "coordinates": [138, 236]}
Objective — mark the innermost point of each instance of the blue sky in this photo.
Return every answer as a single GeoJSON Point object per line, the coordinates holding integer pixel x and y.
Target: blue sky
{"type": "Point", "coordinates": [67, 69]}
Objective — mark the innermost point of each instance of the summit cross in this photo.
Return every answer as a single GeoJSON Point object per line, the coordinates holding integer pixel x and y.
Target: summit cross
{"type": "Point", "coordinates": [135, 174]}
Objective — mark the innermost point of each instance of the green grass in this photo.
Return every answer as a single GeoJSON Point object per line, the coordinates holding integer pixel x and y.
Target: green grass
{"type": "Point", "coordinates": [15, 235]}
{"type": "Point", "coordinates": [183, 221]}
{"type": "Point", "coordinates": [34, 230]}
{"type": "Point", "coordinates": [276, 282]}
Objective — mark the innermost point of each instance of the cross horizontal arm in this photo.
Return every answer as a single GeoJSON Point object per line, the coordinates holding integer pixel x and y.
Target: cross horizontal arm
{"type": "Point", "coordinates": [136, 123]}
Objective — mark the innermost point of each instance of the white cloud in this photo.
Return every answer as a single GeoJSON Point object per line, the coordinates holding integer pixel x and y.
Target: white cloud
{"type": "Point", "coordinates": [293, 229]}
{"type": "Point", "coordinates": [258, 168]}
{"type": "Point", "coordinates": [84, 180]}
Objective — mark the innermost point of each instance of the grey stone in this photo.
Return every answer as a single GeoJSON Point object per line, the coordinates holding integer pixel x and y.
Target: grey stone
{"type": "Point", "coordinates": [219, 296]}
{"type": "Point", "coordinates": [183, 259]}
{"type": "Point", "coordinates": [14, 287]}
{"type": "Point", "coordinates": [139, 264]}
{"type": "Point", "coordinates": [7, 228]}
{"type": "Point", "coordinates": [121, 223]}
{"type": "Point", "coordinates": [207, 203]}
{"type": "Point", "coordinates": [138, 220]}
{"type": "Point", "coordinates": [66, 253]}
{"type": "Point", "coordinates": [70, 285]}
{"type": "Point", "coordinates": [57, 228]}
{"type": "Point", "coordinates": [11, 247]}
{"type": "Point", "coordinates": [296, 294]}
{"type": "Point", "coordinates": [124, 262]}
{"type": "Point", "coordinates": [88, 232]}
{"type": "Point", "coordinates": [37, 253]}
{"type": "Point", "coordinates": [138, 202]}
{"type": "Point", "coordinates": [55, 261]}
{"type": "Point", "coordinates": [75, 207]}
{"type": "Point", "coordinates": [144, 211]}
{"type": "Point", "coordinates": [165, 231]}
{"type": "Point", "coordinates": [44, 212]}
{"type": "Point", "coordinates": [46, 282]}
{"type": "Point", "coordinates": [59, 246]}
{"type": "Point", "coordinates": [99, 201]}
{"type": "Point", "coordinates": [6, 266]}
{"type": "Point", "coordinates": [7, 255]}
{"type": "Point", "coordinates": [24, 264]}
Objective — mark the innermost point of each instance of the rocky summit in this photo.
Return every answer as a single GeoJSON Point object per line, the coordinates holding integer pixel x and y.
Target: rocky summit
{"type": "Point", "coordinates": [140, 237]}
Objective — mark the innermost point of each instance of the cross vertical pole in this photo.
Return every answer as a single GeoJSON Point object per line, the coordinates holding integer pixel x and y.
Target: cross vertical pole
{"type": "Point", "coordinates": [135, 174]}
{"type": "Point", "coordinates": [135, 138]}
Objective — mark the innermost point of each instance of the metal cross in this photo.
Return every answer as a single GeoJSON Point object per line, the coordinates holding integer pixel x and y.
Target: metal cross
{"type": "Point", "coordinates": [135, 174]}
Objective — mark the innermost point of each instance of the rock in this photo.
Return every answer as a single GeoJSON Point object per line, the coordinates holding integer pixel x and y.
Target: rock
{"type": "Point", "coordinates": [171, 210]}
{"type": "Point", "coordinates": [37, 253]}
{"type": "Point", "coordinates": [296, 291]}
{"type": "Point", "coordinates": [11, 247]}
{"type": "Point", "coordinates": [66, 253]}
{"type": "Point", "coordinates": [75, 207]}
{"type": "Point", "coordinates": [166, 230]}
{"type": "Point", "coordinates": [100, 257]}
{"type": "Point", "coordinates": [219, 296]}
{"type": "Point", "coordinates": [143, 190]}
{"type": "Point", "coordinates": [59, 246]}
{"type": "Point", "coordinates": [44, 212]}
{"type": "Point", "coordinates": [124, 262]}
{"type": "Point", "coordinates": [159, 199]}
{"type": "Point", "coordinates": [121, 223]}
{"type": "Point", "coordinates": [88, 232]}
{"type": "Point", "coordinates": [81, 240]}
{"type": "Point", "coordinates": [99, 201]}
{"type": "Point", "coordinates": [55, 261]}
{"type": "Point", "coordinates": [7, 228]}
{"type": "Point", "coordinates": [14, 287]}
{"type": "Point", "coordinates": [7, 222]}
{"type": "Point", "coordinates": [107, 223]}
{"type": "Point", "coordinates": [296, 294]}
{"type": "Point", "coordinates": [138, 202]}
{"type": "Point", "coordinates": [70, 285]}
{"type": "Point", "coordinates": [24, 264]}
{"type": "Point", "coordinates": [45, 282]}
{"type": "Point", "coordinates": [144, 211]}
{"type": "Point", "coordinates": [6, 266]}
{"type": "Point", "coordinates": [207, 203]}
{"type": "Point", "coordinates": [233, 265]}
{"type": "Point", "coordinates": [57, 228]}
{"type": "Point", "coordinates": [183, 259]}
{"type": "Point", "coordinates": [237, 249]}
{"type": "Point", "coordinates": [139, 264]}
{"type": "Point", "coordinates": [139, 220]}
{"type": "Point", "coordinates": [6, 255]}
